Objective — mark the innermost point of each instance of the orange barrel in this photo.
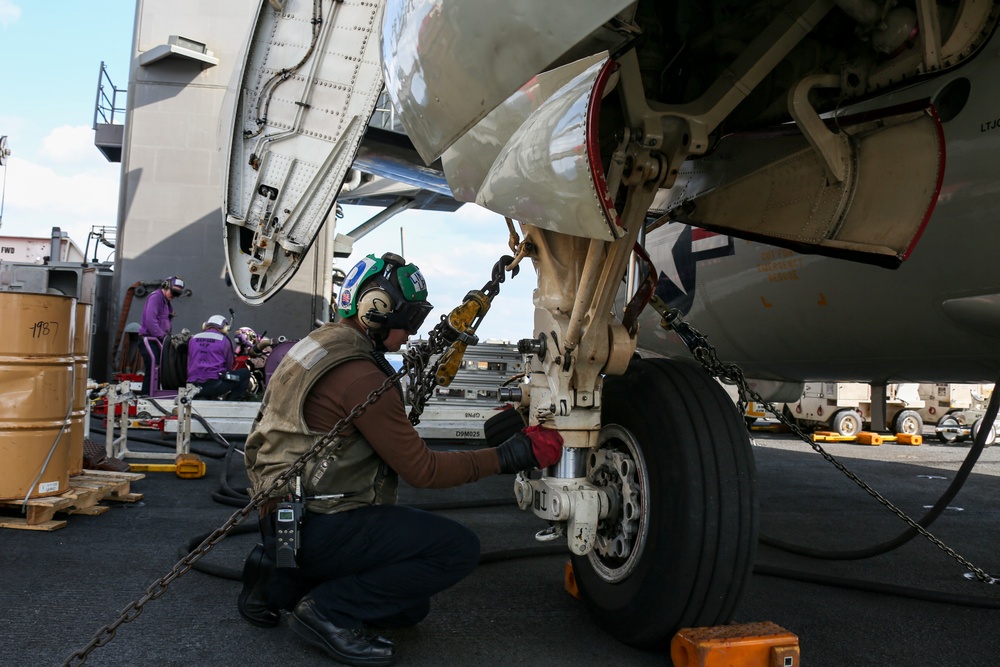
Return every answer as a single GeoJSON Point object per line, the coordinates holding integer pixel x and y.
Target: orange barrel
{"type": "Point", "coordinates": [81, 359]}
{"type": "Point", "coordinates": [36, 388]}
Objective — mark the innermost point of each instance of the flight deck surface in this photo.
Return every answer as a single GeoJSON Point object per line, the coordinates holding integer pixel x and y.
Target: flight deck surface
{"type": "Point", "coordinates": [58, 588]}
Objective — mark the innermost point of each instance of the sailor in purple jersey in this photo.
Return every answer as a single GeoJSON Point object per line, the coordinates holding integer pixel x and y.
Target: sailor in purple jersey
{"type": "Point", "coordinates": [210, 362]}
{"type": "Point", "coordinates": [155, 326]}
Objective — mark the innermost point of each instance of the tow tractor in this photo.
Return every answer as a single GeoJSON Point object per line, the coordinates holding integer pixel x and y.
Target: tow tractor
{"type": "Point", "coordinates": [941, 398]}
{"type": "Point", "coordinates": [964, 424]}
{"type": "Point", "coordinates": [845, 407]}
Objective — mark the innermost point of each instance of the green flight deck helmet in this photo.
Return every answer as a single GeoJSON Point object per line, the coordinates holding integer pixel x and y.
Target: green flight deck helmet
{"type": "Point", "coordinates": [385, 293]}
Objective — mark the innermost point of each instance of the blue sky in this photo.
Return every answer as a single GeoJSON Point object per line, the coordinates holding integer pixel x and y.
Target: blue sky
{"type": "Point", "coordinates": [456, 252]}
{"type": "Point", "coordinates": [55, 176]}
{"type": "Point", "coordinates": [52, 53]}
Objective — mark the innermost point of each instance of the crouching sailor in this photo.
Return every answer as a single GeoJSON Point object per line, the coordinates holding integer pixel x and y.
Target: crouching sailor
{"type": "Point", "coordinates": [337, 551]}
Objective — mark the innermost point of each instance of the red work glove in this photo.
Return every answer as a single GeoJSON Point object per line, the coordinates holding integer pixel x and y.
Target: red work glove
{"type": "Point", "coordinates": [546, 445]}
{"type": "Point", "coordinates": [534, 447]}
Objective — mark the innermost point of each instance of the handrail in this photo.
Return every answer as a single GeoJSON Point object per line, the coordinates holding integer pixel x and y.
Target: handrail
{"type": "Point", "coordinates": [106, 105]}
{"type": "Point", "coordinates": [386, 115]}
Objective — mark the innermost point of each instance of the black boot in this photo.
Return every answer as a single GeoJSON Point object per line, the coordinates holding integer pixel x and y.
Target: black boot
{"type": "Point", "coordinates": [252, 602]}
{"type": "Point", "coordinates": [351, 646]}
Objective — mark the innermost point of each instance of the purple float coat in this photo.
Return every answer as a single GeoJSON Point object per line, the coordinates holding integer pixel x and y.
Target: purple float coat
{"type": "Point", "coordinates": [209, 353]}
{"type": "Point", "coordinates": [156, 316]}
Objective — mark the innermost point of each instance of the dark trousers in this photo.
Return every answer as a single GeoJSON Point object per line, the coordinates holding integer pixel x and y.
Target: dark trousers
{"type": "Point", "coordinates": [378, 565]}
{"type": "Point", "coordinates": [150, 363]}
{"type": "Point", "coordinates": [237, 389]}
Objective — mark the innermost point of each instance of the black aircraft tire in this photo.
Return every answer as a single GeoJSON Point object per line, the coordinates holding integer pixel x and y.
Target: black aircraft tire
{"type": "Point", "coordinates": [699, 507]}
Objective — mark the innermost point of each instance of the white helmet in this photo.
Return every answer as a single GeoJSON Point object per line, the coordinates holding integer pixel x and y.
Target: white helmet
{"type": "Point", "coordinates": [216, 322]}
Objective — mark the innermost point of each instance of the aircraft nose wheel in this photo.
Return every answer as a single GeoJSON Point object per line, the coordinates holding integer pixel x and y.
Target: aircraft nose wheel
{"type": "Point", "coordinates": [617, 466]}
{"type": "Point", "coordinates": [676, 550]}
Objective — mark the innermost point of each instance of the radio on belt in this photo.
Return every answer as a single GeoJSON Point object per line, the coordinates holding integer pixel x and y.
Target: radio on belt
{"type": "Point", "coordinates": [288, 517]}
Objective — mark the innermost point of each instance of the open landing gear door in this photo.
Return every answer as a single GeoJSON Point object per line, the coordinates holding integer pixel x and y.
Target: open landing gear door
{"type": "Point", "coordinates": [779, 189]}
{"type": "Point", "coordinates": [441, 95]}
{"type": "Point", "coordinates": [301, 104]}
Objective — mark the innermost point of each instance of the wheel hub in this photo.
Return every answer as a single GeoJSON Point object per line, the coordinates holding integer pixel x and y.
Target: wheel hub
{"type": "Point", "coordinates": [617, 467]}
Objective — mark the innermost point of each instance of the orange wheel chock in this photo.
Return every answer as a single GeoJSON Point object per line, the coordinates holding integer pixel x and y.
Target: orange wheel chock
{"type": "Point", "coordinates": [763, 644]}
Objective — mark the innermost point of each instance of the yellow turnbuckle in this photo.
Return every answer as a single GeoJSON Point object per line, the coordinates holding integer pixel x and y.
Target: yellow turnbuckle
{"type": "Point", "coordinates": [463, 320]}
{"type": "Point", "coordinates": [461, 324]}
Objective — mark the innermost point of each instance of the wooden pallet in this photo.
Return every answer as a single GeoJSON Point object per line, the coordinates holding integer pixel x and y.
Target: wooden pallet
{"type": "Point", "coordinates": [85, 492]}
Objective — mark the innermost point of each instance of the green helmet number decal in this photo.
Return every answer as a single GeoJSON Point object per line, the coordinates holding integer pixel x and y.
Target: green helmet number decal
{"type": "Point", "coordinates": [412, 283]}
{"type": "Point", "coordinates": [407, 282]}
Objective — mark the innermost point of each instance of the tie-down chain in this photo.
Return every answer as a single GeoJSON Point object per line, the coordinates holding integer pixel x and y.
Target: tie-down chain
{"type": "Point", "coordinates": [731, 374]}
{"type": "Point", "coordinates": [416, 364]}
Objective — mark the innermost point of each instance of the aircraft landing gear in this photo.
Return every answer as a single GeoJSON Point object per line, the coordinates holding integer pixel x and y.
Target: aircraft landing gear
{"type": "Point", "coordinates": [655, 489]}
{"type": "Point", "coordinates": [678, 546]}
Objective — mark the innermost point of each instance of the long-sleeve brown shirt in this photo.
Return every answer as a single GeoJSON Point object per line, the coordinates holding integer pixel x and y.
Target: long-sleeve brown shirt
{"type": "Point", "coordinates": [386, 428]}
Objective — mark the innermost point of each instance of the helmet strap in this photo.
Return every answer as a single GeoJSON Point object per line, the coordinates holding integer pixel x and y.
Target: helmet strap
{"type": "Point", "coordinates": [377, 337]}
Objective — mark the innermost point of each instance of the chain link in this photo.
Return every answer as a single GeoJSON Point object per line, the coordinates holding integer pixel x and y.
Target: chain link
{"type": "Point", "coordinates": [422, 378]}
{"type": "Point", "coordinates": [421, 373]}
{"type": "Point", "coordinates": [731, 374]}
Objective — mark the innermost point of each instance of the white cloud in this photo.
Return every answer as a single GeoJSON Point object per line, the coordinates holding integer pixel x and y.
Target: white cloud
{"type": "Point", "coordinates": [11, 125]}
{"type": "Point", "coordinates": [69, 186]}
{"type": "Point", "coordinates": [38, 198]}
{"type": "Point", "coordinates": [456, 252]}
{"type": "Point", "coordinates": [9, 13]}
{"type": "Point", "coordinates": [69, 144]}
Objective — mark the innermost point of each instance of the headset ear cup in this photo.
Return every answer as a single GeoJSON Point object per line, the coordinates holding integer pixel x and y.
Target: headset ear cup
{"type": "Point", "coordinates": [374, 307]}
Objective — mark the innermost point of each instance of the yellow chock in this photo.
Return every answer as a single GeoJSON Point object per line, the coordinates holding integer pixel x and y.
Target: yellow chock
{"type": "Point", "coordinates": [909, 439]}
{"type": "Point", "coordinates": [190, 466]}
{"type": "Point", "coordinates": [152, 467]}
{"type": "Point", "coordinates": [869, 438]}
{"type": "Point", "coordinates": [830, 436]}
{"type": "Point", "coordinates": [763, 644]}
{"type": "Point", "coordinates": [570, 581]}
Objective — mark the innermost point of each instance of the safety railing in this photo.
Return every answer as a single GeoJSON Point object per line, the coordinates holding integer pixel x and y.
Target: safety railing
{"type": "Point", "coordinates": [384, 116]}
{"type": "Point", "coordinates": [107, 102]}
